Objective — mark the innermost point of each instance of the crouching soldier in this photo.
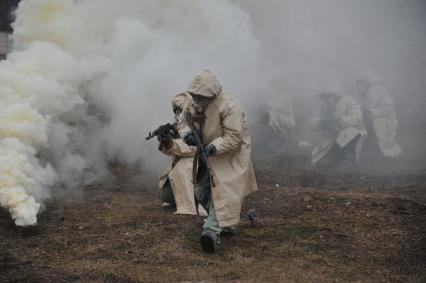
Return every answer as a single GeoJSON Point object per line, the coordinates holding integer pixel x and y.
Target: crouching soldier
{"type": "Point", "coordinates": [379, 111]}
{"type": "Point", "coordinates": [226, 176]}
{"type": "Point", "coordinates": [339, 119]}
{"type": "Point", "coordinates": [176, 185]}
{"type": "Point", "coordinates": [281, 118]}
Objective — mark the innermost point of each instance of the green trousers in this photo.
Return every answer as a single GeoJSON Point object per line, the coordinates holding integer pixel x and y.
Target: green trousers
{"type": "Point", "coordinates": [211, 221]}
{"type": "Point", "coordinates": [203, 194]}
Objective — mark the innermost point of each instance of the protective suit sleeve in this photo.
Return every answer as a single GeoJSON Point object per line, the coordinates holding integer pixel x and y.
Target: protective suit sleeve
{"type": "Point", "coordinates": [181, 149]}
{"type": "Point", "coordinates": [232, 124]}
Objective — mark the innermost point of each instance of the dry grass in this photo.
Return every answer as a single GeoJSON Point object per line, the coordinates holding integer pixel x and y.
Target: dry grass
{"type": "Point", "coordinates": [312, 227]}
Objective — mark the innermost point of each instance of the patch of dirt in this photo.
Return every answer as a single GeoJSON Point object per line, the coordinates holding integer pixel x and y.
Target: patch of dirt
{"type": "Point", "coordinates": [310, 226]}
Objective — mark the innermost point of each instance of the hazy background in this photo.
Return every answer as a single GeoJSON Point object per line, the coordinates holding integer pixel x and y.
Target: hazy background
{"type": "Point", "coordinates": [92, 77]}
{"type": "Point", "coordinates": [307, 42]}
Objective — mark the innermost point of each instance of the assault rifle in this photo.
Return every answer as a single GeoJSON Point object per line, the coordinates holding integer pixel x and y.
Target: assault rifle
{"type": "Point", "coordinates": [167, 128]}
{"type": "Point", "coordinates": [201, 150]}
{"type": "Point", "coordinates": [162, 129]}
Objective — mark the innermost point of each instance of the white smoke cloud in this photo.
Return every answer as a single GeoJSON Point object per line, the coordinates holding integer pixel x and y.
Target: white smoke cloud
{"type": "Point", "coordinates": [88, 79]}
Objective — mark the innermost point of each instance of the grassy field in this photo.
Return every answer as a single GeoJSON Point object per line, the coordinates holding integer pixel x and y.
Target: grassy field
{"type": "Point", "coordinates": [310, 226]}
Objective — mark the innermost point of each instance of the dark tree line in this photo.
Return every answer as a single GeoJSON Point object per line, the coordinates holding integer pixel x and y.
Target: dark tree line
{"type": "Point", "coordinates": [6, 14]}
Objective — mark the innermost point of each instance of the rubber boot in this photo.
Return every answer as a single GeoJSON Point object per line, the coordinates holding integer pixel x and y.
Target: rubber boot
{"type": "Point", "coordinates": [208, 241]}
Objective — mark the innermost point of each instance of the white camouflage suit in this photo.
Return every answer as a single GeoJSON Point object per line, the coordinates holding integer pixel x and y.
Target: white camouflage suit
{"type": "Point", "coordinates": [281, 116]}
{"type": "Point", "coordinates": [376, 101]}
{"type": "Point", "coordinates": [341, 124]}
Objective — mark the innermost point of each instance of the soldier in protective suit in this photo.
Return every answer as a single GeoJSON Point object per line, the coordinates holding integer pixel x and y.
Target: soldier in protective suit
{"type": "Point", "coordinates": [223, 128]}
{"type": "Point", "coordinates": [281, 117]}
{"type": "Point", "coordinates": [176, 186]}
{"type": "Point", "coordinates": [379, 111]}
{"type": "Point", "coordinates": [339, 119]}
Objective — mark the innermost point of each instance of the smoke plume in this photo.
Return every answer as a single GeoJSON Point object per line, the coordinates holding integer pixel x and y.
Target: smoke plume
{"type": "Point", "coordinates": [87, 79]}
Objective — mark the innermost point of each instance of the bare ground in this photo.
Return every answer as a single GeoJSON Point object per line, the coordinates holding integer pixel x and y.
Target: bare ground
{"type": "Point", "coordinates": [310, 226]}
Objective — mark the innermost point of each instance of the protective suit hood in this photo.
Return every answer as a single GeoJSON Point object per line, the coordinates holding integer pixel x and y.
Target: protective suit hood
{"type": "Point", "coordinates": [205, 84]}
{"type": "Point", "coordinates": [181, 101]}
{"type": "Point", "coordinates": [368, 77]}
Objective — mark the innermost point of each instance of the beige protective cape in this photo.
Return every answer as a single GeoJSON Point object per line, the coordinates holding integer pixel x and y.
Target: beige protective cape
{"type": "Point", "coordinates": [349, 124]}
{"type": "Point", "coordinates": [180, 177]}
{"type": "Point", "coordinates": [179, 171]}
{"type": "Point", "coordinates": [226, 127]}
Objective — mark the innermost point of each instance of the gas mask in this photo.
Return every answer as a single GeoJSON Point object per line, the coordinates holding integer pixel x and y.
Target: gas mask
{"type": "Point", "coordinates": [201, 102]}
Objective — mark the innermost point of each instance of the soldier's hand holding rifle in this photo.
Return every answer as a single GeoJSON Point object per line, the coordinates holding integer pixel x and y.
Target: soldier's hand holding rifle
{"type": "Point", "coordinates": [164, 134]}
